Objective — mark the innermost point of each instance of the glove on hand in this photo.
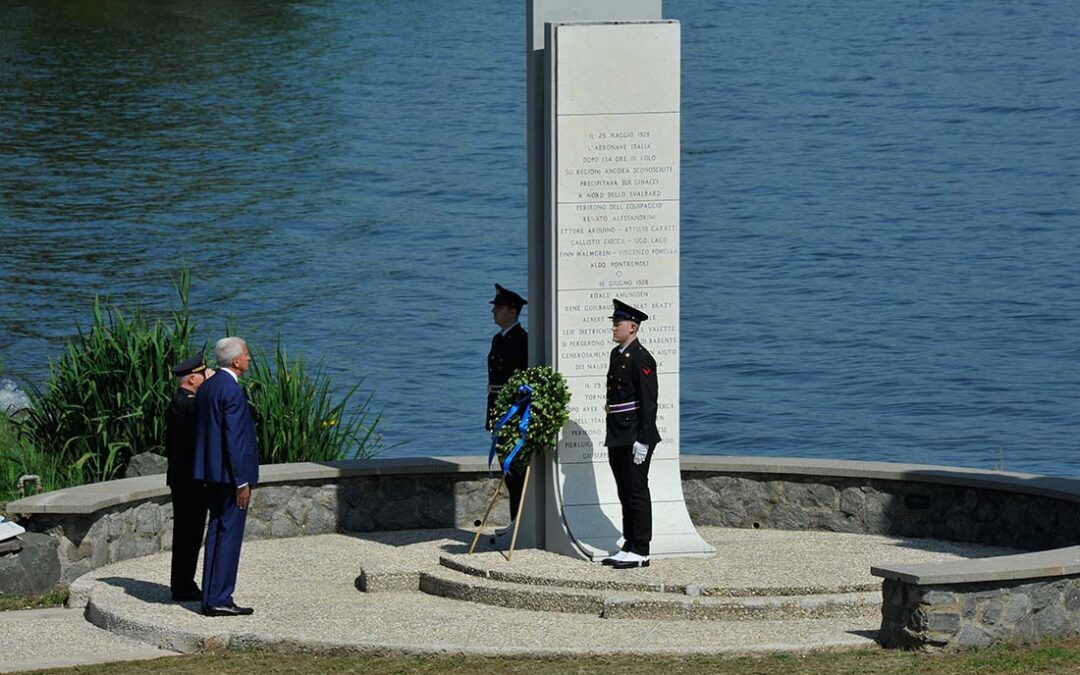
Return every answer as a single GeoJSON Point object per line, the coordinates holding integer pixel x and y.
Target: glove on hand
{"type": "Point", "coordinates": [641, 451]}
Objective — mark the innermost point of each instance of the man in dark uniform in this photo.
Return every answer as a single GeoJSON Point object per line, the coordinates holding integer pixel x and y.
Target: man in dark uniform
{"type": "Point", "coordinates": [509, 353]}
{"type": "Point", "coordinates": [632, 387]}
{"type": "Point", "coordinates": [188, 495]}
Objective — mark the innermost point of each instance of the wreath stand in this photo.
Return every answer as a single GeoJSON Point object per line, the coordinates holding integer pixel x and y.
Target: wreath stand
{"type": "Point", "coordinates": [517, 522]}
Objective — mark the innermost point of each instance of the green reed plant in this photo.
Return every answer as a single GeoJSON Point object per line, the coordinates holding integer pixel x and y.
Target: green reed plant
{"type": "Point", "coordinates": [299, 420]}
{"type": "Point", "coordinates": [107, 395]}
{"type": "Point", "coordinates": [19, 457]}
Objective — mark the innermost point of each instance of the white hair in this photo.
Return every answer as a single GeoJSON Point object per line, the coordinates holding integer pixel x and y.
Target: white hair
{"type": "Point", "coordinates": [228, 349]}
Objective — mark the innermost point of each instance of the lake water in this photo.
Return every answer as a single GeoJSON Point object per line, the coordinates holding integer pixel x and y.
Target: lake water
{"type": "Point", "coordinates": [880, 207]}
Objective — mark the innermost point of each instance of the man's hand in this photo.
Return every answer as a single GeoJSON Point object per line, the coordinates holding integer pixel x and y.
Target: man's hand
{"type": "Point", "coordinates": [641, 451]}
{"type": "Point", "coordinates": [243, 496]}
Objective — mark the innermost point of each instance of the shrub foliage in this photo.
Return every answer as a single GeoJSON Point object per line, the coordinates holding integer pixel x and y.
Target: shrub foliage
{"type": "Point", "coordinates": [107, 395]}
{"type": "Point", "coordinates": [299, 420]}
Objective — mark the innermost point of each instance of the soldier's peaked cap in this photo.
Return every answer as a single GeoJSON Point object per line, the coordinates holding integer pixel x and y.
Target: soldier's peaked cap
{"type": "Point", "coordinates": [624, 312]}
{"type": "Point", "coordinates": [192, 365]}
{"type": "Point", "coordinates": [506, 297]}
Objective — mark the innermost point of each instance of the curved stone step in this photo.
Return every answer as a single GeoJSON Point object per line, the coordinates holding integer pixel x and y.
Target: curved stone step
{"type": "Point", "coordinates": [753, 608]}
{"type": "Point", "coordinates": [596, 577]}
{"type": "Point", "coordinates": [448, 583]}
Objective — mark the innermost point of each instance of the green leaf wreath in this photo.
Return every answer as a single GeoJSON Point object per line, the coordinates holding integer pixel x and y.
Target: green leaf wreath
{"type": "Point", "coordinates": [550, 411]}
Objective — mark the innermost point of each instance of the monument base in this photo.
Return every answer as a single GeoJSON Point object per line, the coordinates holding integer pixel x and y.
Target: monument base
{"type": "Point", "coordinates": [589, 530]}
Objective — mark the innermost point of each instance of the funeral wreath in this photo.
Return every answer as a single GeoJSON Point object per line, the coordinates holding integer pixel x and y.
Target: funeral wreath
{"type": "Point", "coordinates": [533, 406]}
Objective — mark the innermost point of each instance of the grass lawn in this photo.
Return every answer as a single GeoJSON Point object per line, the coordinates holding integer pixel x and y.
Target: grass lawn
{"type": "Point", "coordinates": [1056, 657]}
{"type": "Point", "coordinates": [55, 598]}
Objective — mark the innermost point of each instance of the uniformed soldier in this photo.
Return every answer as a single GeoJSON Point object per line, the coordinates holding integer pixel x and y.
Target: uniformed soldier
{"type": "Point", "coordinates": [631, 433]}
{"type": "Point", "coordinates": [509, 353]}
{"type": "Point", "coordinates": [188, 495]}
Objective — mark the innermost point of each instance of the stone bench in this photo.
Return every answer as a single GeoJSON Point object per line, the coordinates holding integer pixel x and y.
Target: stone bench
{"type": "Point", "coordinates": [962, 604]}
{"type": "Point", "coordinates": [974, 603]}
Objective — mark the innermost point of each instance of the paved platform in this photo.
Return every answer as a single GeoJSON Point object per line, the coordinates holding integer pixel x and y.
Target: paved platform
{"type": "Point", "coordinates": [306, 592]}
{"type": "Point", "coordinates": [58, 638]}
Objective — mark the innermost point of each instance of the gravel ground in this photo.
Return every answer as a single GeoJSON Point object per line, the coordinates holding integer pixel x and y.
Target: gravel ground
{"type": "Point", "coordinates": [305, 596]}
{"type": "Point", "coordinates": [56, 638]}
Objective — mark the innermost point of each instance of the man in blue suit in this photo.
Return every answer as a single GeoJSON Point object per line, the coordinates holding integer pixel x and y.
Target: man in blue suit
{"type": "Point", "coordinates": [227, 461]}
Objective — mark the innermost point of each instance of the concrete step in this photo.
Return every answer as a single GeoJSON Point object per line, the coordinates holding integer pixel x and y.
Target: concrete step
{"type": "Point", "coordinates": [646, 580]}
{"type": "Point", "coordinates": [617, 604]}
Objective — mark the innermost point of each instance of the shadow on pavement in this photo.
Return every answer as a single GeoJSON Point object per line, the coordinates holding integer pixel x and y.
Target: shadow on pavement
{"type": "Point", "coordinates": [149, 591]}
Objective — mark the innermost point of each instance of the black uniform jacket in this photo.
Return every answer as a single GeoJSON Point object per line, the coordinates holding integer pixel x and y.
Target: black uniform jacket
{"type": "Point", "coordinates": [632, 377]}
{"type": "Point", "coordinates": [180, 437]}
{"type": "Point", "coordinates": [509, 353]}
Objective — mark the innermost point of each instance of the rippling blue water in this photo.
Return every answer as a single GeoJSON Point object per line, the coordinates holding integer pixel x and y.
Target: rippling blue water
{"type": "Point", "coordinates": [881, 206]}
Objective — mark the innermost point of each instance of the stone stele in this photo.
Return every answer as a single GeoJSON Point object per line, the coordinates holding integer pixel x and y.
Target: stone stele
{"type": "Point", "coordinates": [613, 223]}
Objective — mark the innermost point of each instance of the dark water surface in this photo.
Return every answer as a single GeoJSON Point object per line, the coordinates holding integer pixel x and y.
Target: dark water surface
{"type": "Point", "coordinates": [881, 206]}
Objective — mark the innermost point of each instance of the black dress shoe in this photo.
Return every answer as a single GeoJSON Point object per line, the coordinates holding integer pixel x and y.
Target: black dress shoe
{"type": "Point", "coordinates": [227, 610]}
{"type": "Point", "coordinates": [187, 596]}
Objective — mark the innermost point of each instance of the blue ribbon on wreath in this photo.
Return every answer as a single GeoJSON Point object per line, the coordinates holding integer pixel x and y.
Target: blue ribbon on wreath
{"type": "Point", "coordinates": [522, 404]}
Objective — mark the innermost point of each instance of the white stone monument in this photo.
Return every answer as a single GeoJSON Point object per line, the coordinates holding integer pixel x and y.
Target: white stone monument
{"type": "Point", "coordinates": [610, 162]}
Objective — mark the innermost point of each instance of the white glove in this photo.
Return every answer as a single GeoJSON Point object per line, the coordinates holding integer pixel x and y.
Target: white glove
{"type": "Point", "coordinates": [641, 451]}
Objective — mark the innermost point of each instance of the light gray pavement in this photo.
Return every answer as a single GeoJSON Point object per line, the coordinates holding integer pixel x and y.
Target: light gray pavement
{"type": "Point", "coordinates": [57, 638]}
{"type": "Point", "coordinates": [748, 562]}
{"type": "Point", "coordinates": [305, 596]}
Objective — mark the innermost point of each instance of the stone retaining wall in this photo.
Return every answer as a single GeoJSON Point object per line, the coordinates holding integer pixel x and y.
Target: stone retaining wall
{"type": "Point", "coordinates": [888, 507]}
{"type": "Point", "coordinates": [969, 616]}
{"type": "Point", "coordinates": [34, 570]}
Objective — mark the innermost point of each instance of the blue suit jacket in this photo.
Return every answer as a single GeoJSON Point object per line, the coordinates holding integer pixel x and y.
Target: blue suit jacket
{"type": "Point", "coordinates": [225, 446]}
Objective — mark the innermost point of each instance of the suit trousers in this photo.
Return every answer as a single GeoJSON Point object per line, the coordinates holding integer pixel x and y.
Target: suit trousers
{"type": "Point", "coordinates": [189, 524]}
{"type": "Point", "coordinates": [632, 485]}
{"type": "Point", "coordinates": [224, 536]}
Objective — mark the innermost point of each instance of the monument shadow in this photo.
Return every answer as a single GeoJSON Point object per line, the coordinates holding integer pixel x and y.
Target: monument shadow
{"type": "Point", "coordinates": [586, 522]}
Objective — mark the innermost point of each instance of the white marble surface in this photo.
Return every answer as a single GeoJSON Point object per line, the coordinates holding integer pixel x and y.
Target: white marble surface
{"type": "Point", "coordinates": [616, 232]}
{"type": "Point", "coordinates": [602, 66]}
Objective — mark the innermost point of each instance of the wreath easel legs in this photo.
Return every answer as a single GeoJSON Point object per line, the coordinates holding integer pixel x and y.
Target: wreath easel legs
{"type": "Point", "coordinates": [517, 522]}
{"type": "Point", "coordinates": [521, 505]}
{"type": "Point", "coordinates": [480, 523]}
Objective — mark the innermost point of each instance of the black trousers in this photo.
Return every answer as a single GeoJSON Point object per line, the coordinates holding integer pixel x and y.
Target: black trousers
{"type": "Point", "coordinates": [189, 524]}
{"type": "Point", "coordinates": [632, 483]}
{"type": "Point", "coordinates": [514, 486]}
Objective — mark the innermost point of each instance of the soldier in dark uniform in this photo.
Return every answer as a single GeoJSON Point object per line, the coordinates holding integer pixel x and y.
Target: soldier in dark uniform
{"type": "Point", "coordinates": [188, 495]}
{"type": "Point", "coordinates": [509, 353]}
{"type": "Point", "coordinates": [631, 433]}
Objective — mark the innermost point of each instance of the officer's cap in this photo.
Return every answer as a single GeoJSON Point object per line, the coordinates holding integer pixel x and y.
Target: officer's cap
{"type": "Point", "coordinates": [192, 365]}
{"type": "Point", "coordinates": [509, 298]}
{"type": "Point", "coordinates": [624, 312]}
